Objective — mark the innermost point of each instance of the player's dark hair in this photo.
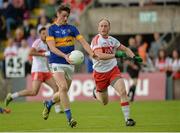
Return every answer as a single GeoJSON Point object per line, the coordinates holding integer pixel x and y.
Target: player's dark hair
{"type": "Point", "coordinates": [64, 7]}
{"type": "Point", "coordinates": [42, 29]}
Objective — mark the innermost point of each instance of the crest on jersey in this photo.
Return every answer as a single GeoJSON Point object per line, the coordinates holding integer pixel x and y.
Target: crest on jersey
{"type": "Point", "coordinates": [69, 31]}
{"type": "Point", "coordinates": [63, 31]}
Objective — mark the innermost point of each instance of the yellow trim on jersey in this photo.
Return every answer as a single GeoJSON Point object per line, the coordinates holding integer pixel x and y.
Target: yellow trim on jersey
{"type": "Point", "coordinates": [49, 38]}
{"type": "Point", "coordinates": [65, 39]}
{"type": "Point", "coordinates": [62, 44]}
{"type": "Point", "coordinates": [79, 37]}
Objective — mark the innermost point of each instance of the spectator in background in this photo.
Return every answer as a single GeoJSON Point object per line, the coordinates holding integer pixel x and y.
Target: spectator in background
{"type": "Point", "coordinates": [23, 52]}
{"type": "Point", "coordinates": [133, 69]}
{"type": "Point", "coordinates": [27, 27]}
{"type": "Point", "coordinates": [31, 4]}
{"type": "Point", "coordinates": [2, 26]}
{"type": "Point", "coordinates": [156, 45]}
{"type": "Point", "coordinates": [14, 14]}
{"type": "Point", "coordinates": [86, 2]}
{"type": "Point", "coordinates": [148, 66]}
{"type": "Point", "coordinates": [42, 13]}
{"type": "Point", "coordinates": [161, 62]}
{"type": "Point", "coordinates": [19, 35]}
{"type": "Point", "coordinates": [74, 16]}
{"type": "Point", "coordinates": [50, 8]}
{"type": "Point", "coordinates": [1, 4]}
{"type": "Point", "coordinates": [43, 22]}
{"type": "Point", "coordinates": [33, 36]}
{"type": "Point", "coordinates": [174, 64]}
{"type": "Point", "coordinates": [77, 7]}
{"type": "Point", "coordinates": [142, 47]}
{"type": "Point", "coordinates": [11, 49]}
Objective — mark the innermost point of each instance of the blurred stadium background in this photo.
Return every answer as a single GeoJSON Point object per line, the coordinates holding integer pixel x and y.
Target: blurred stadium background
{"type": "Point", "coordinates": [153, 26]}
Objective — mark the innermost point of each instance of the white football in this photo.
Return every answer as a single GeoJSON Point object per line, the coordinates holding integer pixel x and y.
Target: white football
{"type": "Point", "coordinates": [77, 57]}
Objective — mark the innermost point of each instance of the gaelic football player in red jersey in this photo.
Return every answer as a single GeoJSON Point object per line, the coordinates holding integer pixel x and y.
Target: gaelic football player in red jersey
{"type": "Point", "coordinates": [40, 71]}
{"type": "Point", "coordinates": [106, 71]}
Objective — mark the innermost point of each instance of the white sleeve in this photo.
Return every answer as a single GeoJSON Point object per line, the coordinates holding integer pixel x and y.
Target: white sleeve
{"type": "Point", "coordinates": [35, 44]}
{"type": "Point", "coordinates": [116, 42]}
{"type": "Point", "coordinates": [95, 44]}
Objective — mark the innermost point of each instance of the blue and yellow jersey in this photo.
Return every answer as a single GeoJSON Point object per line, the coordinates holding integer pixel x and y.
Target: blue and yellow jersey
{"type": "Point", "coordinates": [64, 37]}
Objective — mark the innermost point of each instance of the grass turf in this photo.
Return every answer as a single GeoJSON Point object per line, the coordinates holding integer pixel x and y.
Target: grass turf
{"type": "Point", "coordinates": [91, 116]}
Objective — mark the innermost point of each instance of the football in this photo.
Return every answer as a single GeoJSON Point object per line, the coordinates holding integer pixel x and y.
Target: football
{"type": "Point", "coordinates": [77, 57]}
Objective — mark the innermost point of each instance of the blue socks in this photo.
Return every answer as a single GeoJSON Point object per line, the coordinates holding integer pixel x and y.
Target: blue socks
{"type": "Point", "coordinates": [50, 103]}
{"type": "Point", "coordinates": [68, 114]}
{"type": "Point", "coordinates": [67, 111]}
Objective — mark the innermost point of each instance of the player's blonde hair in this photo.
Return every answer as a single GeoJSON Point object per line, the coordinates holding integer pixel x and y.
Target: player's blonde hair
{"type": "Point", "coordinates": [105, 20]}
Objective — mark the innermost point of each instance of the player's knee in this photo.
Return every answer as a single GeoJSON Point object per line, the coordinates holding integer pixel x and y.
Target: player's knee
{"type": "Point", "coordinates": [33, 93]}
{"type": "Point", "coordinates": [123, 92]}
{"type": "Point", "coordinates": [55, 88]}
{"type": "Point", "coordinates": [63, 89]}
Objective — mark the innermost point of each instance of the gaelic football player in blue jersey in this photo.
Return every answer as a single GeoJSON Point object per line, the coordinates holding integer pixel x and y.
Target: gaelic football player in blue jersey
{"type": "Point", "coordinates": [61, 39]}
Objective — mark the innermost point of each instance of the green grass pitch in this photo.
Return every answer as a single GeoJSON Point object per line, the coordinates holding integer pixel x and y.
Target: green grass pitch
{"type": "Point", "coordinates": [93, 117]}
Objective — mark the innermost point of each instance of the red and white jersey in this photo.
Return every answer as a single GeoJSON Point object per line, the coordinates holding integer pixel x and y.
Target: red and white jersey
{"type": "Point", "coordinates": [175, 64]}
{"type": "Point", "coordinates": [109, 46]}
{"type": "Point", "coordinates": [162, 65]}
{"type": "Point", "coordinates": [40, 63]}
{"type": "Point", "coordinates": [11, 51]}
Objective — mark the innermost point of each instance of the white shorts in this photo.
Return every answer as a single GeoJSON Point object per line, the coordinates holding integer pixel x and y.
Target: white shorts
{"type": "Point", "coordinates": [67, 69]}
{"type": "Point", "coordinates": [50, 67]}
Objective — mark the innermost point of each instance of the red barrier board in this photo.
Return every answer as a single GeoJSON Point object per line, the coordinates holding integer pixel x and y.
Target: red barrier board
{"type": "Point", "coordinates": [151, 86]}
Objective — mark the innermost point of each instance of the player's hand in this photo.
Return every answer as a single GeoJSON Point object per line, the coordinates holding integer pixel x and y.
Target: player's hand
{"type": "Point", "coordinates": [93, 55]}
{"type": "Point", "coordinates": [67, 59]}
{"type": "Point", "coordinates": [120, 54]}
{"type": "Point", "coordinates": [47, 53]}
{"type": "Point", "coordinates": [137, 59]}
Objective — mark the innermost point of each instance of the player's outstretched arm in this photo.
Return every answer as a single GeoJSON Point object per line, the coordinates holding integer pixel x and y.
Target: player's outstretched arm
{"type": "Point", "coordinates": [129, 53]}
{"type": "Point", "coordinates": [126, 50]}
{"type": "Point", "coordinates": [34, 52]}
{"type": "Point", "coordinates": [86, 46]}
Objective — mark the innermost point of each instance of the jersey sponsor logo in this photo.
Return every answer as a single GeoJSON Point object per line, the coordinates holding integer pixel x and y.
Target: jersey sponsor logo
{"type": "Point", "coordinates": [58, 32]}
{"type": "Point", "coordinates": [107, 50]}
